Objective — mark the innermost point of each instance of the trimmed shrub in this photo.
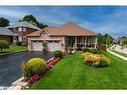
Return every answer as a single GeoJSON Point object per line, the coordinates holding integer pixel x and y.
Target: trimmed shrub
{"type": "Point", "coordinates": [4, 44]}
{"type": "Point", "coordinates": [57, 53]}
{"type": "Point", "coordinates": [95, 51]}
{"type": "Point", "coordinates": [86, 50]}
{"type": "Point", "coordinates": [18, 43]}
{"type": "Point", "coordinates": [34, 66]}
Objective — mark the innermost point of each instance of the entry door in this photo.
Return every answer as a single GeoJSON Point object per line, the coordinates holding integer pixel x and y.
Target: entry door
{"type": "Point", "coordinates": [53, 45]}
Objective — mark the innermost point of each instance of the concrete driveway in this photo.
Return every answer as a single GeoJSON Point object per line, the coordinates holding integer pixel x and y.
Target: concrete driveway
{"type": "Point", "coordinates": [10, 65]}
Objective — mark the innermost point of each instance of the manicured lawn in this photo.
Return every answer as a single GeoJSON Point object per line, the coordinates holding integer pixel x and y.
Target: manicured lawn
{"type": "Point", "coordinates": [14, 48]}
{"type": "Point", "coordinates": [71, 73]}
{"type": "Point", "coordinates": [123, 54]}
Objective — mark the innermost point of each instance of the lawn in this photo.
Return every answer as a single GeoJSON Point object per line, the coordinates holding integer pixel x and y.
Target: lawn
{"type": "Point", "coordinates": [71, 73]}
{"type": "Point", "coordinates": [120, 53]}
{"type": "Point", "coordinates": [13, 49]}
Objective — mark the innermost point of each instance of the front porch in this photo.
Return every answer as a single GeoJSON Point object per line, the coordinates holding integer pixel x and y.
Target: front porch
{"type": "Point", "coordinates": [80, 42]}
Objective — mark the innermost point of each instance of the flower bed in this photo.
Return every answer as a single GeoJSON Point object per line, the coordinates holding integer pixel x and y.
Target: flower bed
{"type": "Point", "coordinates": [95, 60]}
{"type": "Point", "coordinates": [36, 68]}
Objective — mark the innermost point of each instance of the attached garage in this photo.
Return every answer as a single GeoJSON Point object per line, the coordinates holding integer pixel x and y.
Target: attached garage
{"type": "Point", "coordinates": [51, 44]}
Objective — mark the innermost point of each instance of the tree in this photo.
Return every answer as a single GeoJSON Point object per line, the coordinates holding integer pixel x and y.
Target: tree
{"type": "Point", "coordinates": [4, 22]}
{"type": "Point", "coordinates": [41, 25]}
{"type": "Point", "coordinates": [3, 44]}
{"type": "Point", "coordinates": [31, 19]}
{"type": "Point", "coordinates": [100, 38]}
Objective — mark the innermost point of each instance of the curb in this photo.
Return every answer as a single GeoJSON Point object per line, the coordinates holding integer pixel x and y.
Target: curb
{"type": "Point", "coordinates": [120, 56]}
{"type": "Point", "coordinates": [13, 52]}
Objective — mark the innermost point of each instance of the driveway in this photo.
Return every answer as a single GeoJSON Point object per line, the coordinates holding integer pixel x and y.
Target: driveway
{"type": "Point", "coordinates": [10, 65]}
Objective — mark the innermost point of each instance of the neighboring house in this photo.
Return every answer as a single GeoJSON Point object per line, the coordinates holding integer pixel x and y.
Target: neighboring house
{"type": "Point", "coordinates": [22, 29]}
{"type": "Point", "coordinates": [61, 37]}
{"type": "Point", "coordinates": [9, 36]}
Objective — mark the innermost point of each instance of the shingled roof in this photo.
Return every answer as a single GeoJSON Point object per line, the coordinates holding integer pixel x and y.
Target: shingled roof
{"type": "Point", "coordinates": [68, 29]}
{"type": "Point", "coordinates": [5, 31]}
{"type": "Point", "coordinates": [23, 24]}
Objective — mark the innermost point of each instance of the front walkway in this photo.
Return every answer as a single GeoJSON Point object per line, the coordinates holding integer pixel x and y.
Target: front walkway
{"type": "Point", "coordinates": [117, 55]}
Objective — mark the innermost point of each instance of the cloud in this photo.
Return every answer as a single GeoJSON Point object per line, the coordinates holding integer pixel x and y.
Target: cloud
{"type": "Point", "coordinates": [11, 13]}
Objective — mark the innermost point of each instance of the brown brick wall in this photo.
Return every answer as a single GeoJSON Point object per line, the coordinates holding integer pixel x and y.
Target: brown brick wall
{"type": "Point", "coordinates": [7, 38]}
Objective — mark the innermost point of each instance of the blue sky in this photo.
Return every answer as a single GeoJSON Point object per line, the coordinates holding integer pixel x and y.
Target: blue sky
{"type": "Point", "coordinates": [100, 19]}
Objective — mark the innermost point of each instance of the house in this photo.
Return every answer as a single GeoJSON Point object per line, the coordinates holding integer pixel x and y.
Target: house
{"type": "Point", "coordinates": [61, 37]}
{"type": "Point", "coordinates": [22, 29]}
{"type": "Point", "coordinates": [8, 35]}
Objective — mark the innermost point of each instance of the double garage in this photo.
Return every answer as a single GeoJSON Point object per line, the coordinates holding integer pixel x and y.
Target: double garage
{"type": "Point", "coordinates": [52, 45]}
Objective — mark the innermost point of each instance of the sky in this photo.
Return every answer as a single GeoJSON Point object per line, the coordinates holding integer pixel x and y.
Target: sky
{"type": "Point", "coordinates": [99, 19]}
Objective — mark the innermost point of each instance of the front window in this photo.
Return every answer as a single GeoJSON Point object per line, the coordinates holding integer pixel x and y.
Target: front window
{"type": "Point", "coordinates": [20, 29]}
{"type": "Point", "coordinates": [24, 29]}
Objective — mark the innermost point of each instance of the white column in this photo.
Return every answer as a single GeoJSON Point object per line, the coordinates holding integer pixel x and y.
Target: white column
{"type": "Point", "coordinates": [95, 42]}
{"type": "Point", "coordinates": [75, 42]}
{"type": "Point", "coordinates": [85, 41]}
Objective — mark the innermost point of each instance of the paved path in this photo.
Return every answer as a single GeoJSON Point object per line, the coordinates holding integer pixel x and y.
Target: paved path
{"type": "Point", "coordinates": [10, 65]}
{"type": "Point", "coordinates": [117, 55]}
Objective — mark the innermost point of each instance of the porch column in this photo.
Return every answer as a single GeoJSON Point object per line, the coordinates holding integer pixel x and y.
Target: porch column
{"type": "Point", "coordinates": [85, 41]}
{"type": "Point", "coordinates": [75, 42]}
{"type": "Point", "coordinates": [95, 43]}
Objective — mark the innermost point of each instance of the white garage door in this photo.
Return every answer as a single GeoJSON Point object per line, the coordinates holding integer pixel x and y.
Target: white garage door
{"type": "Point", "coordinates": [54, 45]}
{"type": "Point", "coordinates": [37, 45]}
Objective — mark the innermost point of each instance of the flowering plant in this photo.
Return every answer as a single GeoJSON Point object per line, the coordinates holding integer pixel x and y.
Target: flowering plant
{"type": "Point", "coordinates": [97, 60]}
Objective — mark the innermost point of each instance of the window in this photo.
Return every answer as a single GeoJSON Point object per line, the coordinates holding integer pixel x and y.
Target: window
{"type": "Point", "coordinates": [20, 29]}
{"type": "Point", "coordinates": [24, 29]}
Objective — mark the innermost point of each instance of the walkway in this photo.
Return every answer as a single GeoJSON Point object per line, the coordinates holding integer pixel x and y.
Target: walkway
{"type": "Point", "coordinates": [117, 55]}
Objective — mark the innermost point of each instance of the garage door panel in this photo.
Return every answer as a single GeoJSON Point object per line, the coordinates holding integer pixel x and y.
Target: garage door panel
{"type": "Point", "coordinates": [37, 46]}
{"type": "Point", "coordinates": [53, 45]}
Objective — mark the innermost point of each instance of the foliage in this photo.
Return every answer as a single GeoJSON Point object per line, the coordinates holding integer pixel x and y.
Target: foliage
{"type": "Point", "coordinates": [86, 50]}
{"type": "Point", "coordinates": [45, 45]}
{"type": "Point", "coordinates": [18, 43]}
{"type": "Point", "coordinates": [33, 66]}
{"type": "Point", "coordinates": [101, 47]}
{"type": "Point", "coordinates": [4, 44]}
{"type": "Point", "coordinates": [4, 22]}
{"type": "Point", "coordinates": [57, 53]}
{"type": "Point", "coordinates": [24, 43]}
{"type": "Point", "coordinates": [32, 19]}
{"type": "Point", "coordinates": [104, 39]}
{"type": "Point", "coordinates": [96, 60]}
{"type": "Point", "coordinates": [94, 51]}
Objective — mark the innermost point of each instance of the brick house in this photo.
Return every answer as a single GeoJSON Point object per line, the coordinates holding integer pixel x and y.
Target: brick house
{"type": "Point", "coordinates": [61, 37]}
{"type": "Point", "coordinates": [22, 29]}
{"type": "Point", "coordinates": [8, 35]}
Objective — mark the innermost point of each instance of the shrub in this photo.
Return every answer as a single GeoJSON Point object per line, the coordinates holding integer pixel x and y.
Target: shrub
{"type": "Point", "coordinates": [4, 44]}
{"type": "Point", "coordinates": [24, 43]}
{"type": "Point", "coordinates": [18, 43]}
{"type": "Point", "coordinates": [58, 53]}
{"type": "Point", "coordinates": [34, 66]}
{"type": "Point", "coordinates": [95, 51]}
{"type": "Point", "coordinates": [86, 50]}
{"type": "Point", "coordinates": [96, 60]}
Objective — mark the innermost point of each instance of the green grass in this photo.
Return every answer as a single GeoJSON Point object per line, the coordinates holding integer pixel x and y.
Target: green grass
{"type": "Point", "coordinates": [71, 73]}
{"type": "Point", "coordinates": [13, 49]}
{"type": "Point", "coordinates": [120, 53]}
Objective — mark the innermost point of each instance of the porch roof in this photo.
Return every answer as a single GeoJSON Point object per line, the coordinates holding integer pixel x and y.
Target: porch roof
{"type": "Point", "coordinates": [68, 29]}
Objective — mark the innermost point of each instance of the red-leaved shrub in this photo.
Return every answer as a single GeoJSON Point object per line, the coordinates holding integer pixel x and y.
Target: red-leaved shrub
{"type": "Point", "coordinates": [35, 77]}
